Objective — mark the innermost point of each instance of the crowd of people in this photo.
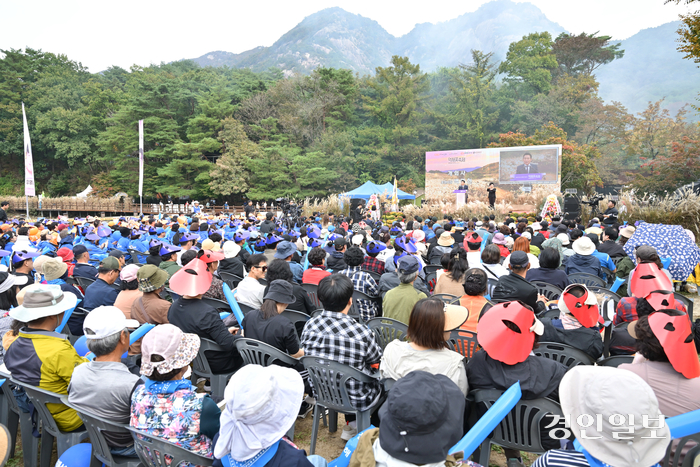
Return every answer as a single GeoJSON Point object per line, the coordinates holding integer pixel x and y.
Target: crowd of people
{"type": "Point", "coordinates": [432, 275]}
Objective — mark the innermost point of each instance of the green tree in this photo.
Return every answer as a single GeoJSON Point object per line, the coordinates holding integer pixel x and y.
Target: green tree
{"type": "Point", "coordinates": [584, 53]}
{"type": "Point", "coordinates": [529, 63]}
{"type": "Point", "coordinates": [473, 88]}
{"type": "Point", "coordinates": [230, 175]}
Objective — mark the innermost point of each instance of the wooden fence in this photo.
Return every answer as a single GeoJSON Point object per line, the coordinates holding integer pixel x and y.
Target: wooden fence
{"type": "Point", "coordinates": [77, 207]}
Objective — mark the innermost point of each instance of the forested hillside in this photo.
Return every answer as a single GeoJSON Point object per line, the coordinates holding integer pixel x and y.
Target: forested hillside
{"type": "Point", "coordinates": [219, 131]}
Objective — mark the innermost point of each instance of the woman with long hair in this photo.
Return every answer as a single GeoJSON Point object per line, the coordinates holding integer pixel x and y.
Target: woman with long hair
{"type": "Point", "coordinates": [523, 244]}
{"type": "Point", "coordinates": [428, 329]}
{"type": "Point", "coordinates": [269, 326]}
{"type": "Point", "coordinates": [451, 281]}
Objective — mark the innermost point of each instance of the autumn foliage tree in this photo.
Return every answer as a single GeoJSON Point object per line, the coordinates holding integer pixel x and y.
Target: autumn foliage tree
{"type": "Point", "coordinates": [668, 172]}
{"type": "Point", "coordinates": [578, 160]}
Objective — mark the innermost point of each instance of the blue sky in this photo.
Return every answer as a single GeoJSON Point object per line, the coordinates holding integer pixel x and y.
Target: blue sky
{"type": "Point", "coordinates": [100, 34]}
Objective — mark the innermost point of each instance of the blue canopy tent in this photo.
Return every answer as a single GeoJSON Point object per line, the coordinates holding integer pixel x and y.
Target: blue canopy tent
{"type": "Point", "coordinates": [389, 187]}
{"type": "Point", "coordinates": [367, 189]}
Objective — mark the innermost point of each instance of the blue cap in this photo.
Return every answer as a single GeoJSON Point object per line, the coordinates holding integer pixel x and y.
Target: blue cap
{"type": "Point", "coordinates": [375, 247]}
{"type": "Point", "coordinates": [104, 231]}
{"type": "Point", "coordinates": [160, 230]}
{"type": "Point", "coordinates": [272, 239]}
{"type": "Point", "coordinates": [166, 249]}
{"type": "Point", "coordinates": [408, 246]}
{"type": "Point", "coordinates": [154, 242]}
{"type": "Point", "coordinates": [186, 237]}
{"type": "Point", "coordinates": [241, 235]}
{"type": "Point", "coordinates": [408, 264]}
{"type": "Point", "coordinates": [22, 255]}
{"type": "Point", "coordinates": [92, 236]}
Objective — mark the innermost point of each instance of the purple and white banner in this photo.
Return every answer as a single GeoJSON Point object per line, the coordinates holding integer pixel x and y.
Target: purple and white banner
{"type": "Point", "coordinates": [29, 188]}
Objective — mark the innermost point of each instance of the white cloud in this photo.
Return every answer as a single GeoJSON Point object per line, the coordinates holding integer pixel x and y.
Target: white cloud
{"type": "Point", "coordinates": [101, 34]}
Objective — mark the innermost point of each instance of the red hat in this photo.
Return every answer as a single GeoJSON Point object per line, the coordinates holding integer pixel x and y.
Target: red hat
{"type": "Point", "coordinates": [661, 300]}
{"type": "Point", "coordinates": [584, 308]}
{"type": "Point", "coordinates": [501, 342]}
{"type": "Point", "coordinates": [209, 256]}
{"type": "Point", "coordinates": [191, 280]}
{"type": "Point", "coordinates": [676, 337]}
{"type": "Point", "coordinates": [66, 254]}
{"type": "Point", "coordinates": [61, 227]}
{"type": "Point", "coordinates": [647, 278]}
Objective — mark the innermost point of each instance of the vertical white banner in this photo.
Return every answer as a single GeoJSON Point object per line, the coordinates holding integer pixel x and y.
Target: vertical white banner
{"type": "Point", "coordinates": [28, 161]}
{"type": "Point", "coordinates": [140, 157]}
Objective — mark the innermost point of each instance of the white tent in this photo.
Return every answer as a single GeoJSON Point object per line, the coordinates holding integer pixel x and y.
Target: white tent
{"type": "Point", "coordinates": [84, 193]}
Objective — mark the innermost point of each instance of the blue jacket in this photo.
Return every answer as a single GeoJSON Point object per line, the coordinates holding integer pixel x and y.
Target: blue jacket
{"type": "Point", "coordinates": [99, 293]}
{"type": "Point", "coordinates": [605, 262]}
{"type": "Point", "coordinates": [587, 264]}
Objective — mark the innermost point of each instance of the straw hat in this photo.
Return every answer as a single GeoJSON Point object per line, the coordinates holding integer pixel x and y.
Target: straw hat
{"type": "Point", "coordinates": [445, 239]}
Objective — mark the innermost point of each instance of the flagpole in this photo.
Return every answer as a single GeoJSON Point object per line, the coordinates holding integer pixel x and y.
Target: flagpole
{"type": "Point", "coordinates": [141, 167]}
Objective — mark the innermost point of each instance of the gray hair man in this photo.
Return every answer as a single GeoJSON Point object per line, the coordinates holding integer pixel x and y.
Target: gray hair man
{"type": "Point", "coordinates": [103, 386]}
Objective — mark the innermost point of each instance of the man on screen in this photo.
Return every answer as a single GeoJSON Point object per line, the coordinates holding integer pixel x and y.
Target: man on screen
{"type": "Point", "coordinates": [463, 186]}
{"type": "Point", "coordinates": [527, 167]}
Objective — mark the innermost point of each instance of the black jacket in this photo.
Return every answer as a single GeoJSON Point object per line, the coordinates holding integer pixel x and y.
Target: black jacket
{"type": "Point", "coordinates": [85, 270]}
{"type": "Point", "coordinates": [196, 317]}
{"type": "Point", "coordinates": [232, 266]}
{"type": "Point", "coordinates": [587, 340]}
{"type": "Point", "coordinates": [537, 240]}
{"type": "Point", "coordinates": [267, 226]}
{"type": "Point", "coordinates": [556, 277]}
{"type": "Point", "coordinates": [336, 261]}
{"type": "Point", "coordinates": [513, 287]}
{"type": "Point", "coordinates": [614, 250]}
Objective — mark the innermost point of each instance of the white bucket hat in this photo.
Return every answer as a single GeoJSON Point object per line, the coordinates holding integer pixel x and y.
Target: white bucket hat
{"type": "Point", "coordinates": [231, 249]}
{"type": "Point", "coordinates": [262, 403]}
{"type": "Point", "coordinates": [584, 246]}
{"type": "Point", "coordinates": [564, 239]}
{"type": "Point", "coordinates": [588, 391]}
{"type": "Point", "coordinates": [41, 301]}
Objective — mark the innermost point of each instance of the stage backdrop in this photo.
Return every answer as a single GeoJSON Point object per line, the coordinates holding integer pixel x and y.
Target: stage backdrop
{"type": "Point", "coordinates": [512, 169]}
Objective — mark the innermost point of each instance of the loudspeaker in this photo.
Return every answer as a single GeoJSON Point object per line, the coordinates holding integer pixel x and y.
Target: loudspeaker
{"type": "Point", "coordinates": [572, 207]}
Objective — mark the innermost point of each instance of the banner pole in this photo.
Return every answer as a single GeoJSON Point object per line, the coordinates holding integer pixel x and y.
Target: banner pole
{"type": "Point", "coordinates": [26, 200]}
{"type": "Point", "coordinates": [141, 204]}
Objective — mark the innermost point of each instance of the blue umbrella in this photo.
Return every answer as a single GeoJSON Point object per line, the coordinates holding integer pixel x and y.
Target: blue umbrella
{"type": "Point", "coordinates": [670, 241]}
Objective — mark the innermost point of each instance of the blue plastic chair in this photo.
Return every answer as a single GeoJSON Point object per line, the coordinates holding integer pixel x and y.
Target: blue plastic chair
{"type": "Point", "coordinates": [66, 317]}
{"type": "Point", "coordinates": [82, 348]}
{"type": "Point", "coordinates": [231, 299]}
{"type": "Point", "coordinates": [490, 420]}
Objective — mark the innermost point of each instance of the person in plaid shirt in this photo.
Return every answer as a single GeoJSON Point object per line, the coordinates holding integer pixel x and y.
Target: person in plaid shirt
{"type": "Point", "coordinates": [362, 282]}
{"type": "Point", "coordinates": [336, 336]}
{"type": "Point", "coordinates": [371, 262]}
{"type": "Point", "coordinates": [626, 310]}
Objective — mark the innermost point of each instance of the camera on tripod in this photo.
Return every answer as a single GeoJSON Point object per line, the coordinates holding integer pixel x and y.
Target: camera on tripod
{"type": "Point", "coordinates": [594, 201]}
{"type": "Point", "coordinates": [288, 207]}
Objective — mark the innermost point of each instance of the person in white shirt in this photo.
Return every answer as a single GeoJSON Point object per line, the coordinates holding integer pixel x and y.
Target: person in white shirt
{"type": "Point", "coordinates": [250, 291]}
